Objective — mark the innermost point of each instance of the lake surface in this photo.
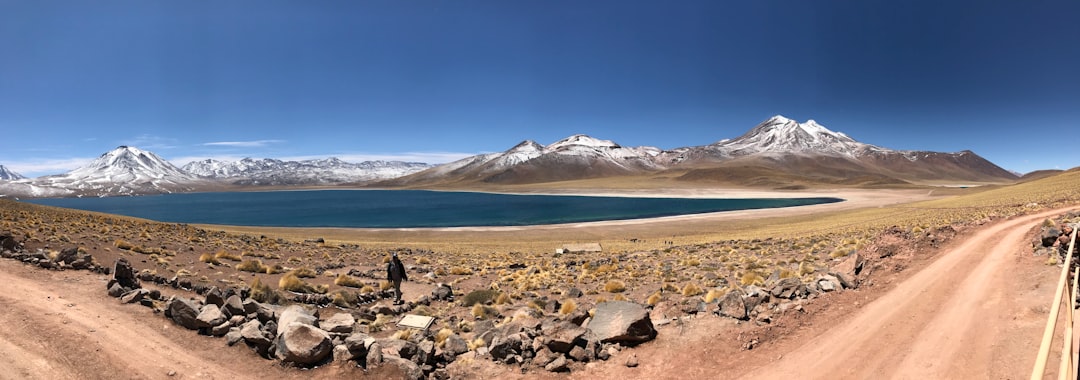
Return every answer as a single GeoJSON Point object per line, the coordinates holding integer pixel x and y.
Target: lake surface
{"type": "Point", "coordinates": [403, 208]}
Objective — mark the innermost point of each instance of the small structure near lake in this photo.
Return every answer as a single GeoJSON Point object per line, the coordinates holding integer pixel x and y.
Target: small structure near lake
{"type": "Point", "coordinates": [580, 248]}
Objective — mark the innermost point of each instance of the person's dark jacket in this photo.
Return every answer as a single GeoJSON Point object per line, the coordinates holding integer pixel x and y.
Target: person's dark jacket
{"type": "Point", "coordinates": [396, 265]}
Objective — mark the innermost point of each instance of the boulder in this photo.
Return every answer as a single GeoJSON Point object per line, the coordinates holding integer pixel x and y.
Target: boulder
{"type": "Point", "coordinates": [67, 255]}
{"type": "Point", "coordinates": [304, 344]}
{"type": "Point", "coordinates": [210, 316]}
{"type": "Point", "coordinates": [560, 364]}
{"type": "Point", "coordinates": [400, 348]}
{"type": "Point", "coordinates": [294, 313]}
{"type": "Point", "coordinates": [184, 312]}
{"type": "Point", "coordinates": [622, 322]}
{"type": "Point", "coordinates": [544, 356]}
{"type": "Point", "coordinates": [443, 292]}
{"type": "Point", "coordinates": [253, 334]}
{"type": "Point", "coordinates": [785, 288]}
{"type": "Point", "coordinates": [374, 356]}
{"type": "Point", "coordinates": [409, 370]}
{"type": "Point", "coordinates": [234, 306]}
{"type": "Point", "coordinates": [115, 290]}
{"type": "Point", "coordinates": [850, 267]}
{"type": "Point", "coordinates": [425, 352]}
{"type": "Point", "coordinates": [134, 296]}
{"type": "Point", "coordinates": [358, 344]}
{"type": "Point", "coordinates": [829, 283]}
{"type": "Point", "coordinates": [505, 346]}
{"type": "Point", "coordinates": [233, 336]}
{"type": "Point", "coordinates": [455, 345]}
{"type": "Point", "coordinates": [563, 336]}
{"type": "Point", "coordinates": [222, 329]}
{"type": "Point", "coordinates": [340, 323]}
{"type": "Point", "coordinates": [342, 354]}
{"type": "Point", "coordinates": [215, 297]}
{"type": "Point", "coordinates": [8, 242]}
{"type": "Point", "coordinates": [124, 274]}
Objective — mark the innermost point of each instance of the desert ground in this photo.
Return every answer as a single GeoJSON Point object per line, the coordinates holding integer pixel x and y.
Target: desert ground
{"type": "Point", "coordinates": [951, 287]}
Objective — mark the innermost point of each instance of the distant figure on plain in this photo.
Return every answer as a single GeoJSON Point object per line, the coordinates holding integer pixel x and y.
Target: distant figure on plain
{"type": "Point", "coordinates": [395, 273]}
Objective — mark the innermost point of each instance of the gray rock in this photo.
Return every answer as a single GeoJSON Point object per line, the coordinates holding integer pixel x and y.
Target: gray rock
{"type": "Point", "coordinates": [115, 290]}
{"type": "Point", "coordinates": [632, 361]}
{"type": "Point", "coordinates": [563, 336]}
{"type": "Point", "coordinates": [184, 312]}
{"type": "Point", "coordinates": [622, 322]}
{"type": "Point", "coordinates": [732, 305]}
{"type": "Point", "coordinates": [425, 353]}
{"type": "Point", "coordinates": [124, 274]}
{"type": "Point", "coordinates": [343, 354]}
{"type": "Point", "coordinates": [210, 316]}
{"type": "Point", "coordinates": [409, 370]}
{"type": "Point", "coordinates": [253, 334]}
{"type": "Point", "coordinates": [234, 305]}
{"type": "Point", "coordinates": [134, 296]}
{"type": "Point", "coordinates": [560, 364]}
{"type": "Point", "coordinates": [544, 356]}
{"type": "Point", "coordinates": [294, 313]}
{"type": "Point", "coordinates": [455, 345]}
{"type": "Point", "coordinates": [233, 336]}
{"type": "Point", "coordinates": [442, 292]}
{"type": "Point", "coordinates": [785, 288]}
{"type": "Point", "coordinates": [401, 348]}
{"type": "Point", "coordinates": [340, 323]}
{"type": "Point", "coordinates": [214, 297]}
{"type": "Point", "coordinates": [222, 329]}
{"type": "Point", "coordinates": [504, 346]}
{"type": "Point", "coordinates": [829, 283]}
{"type": "Point", "coordinates": [302, 343]}
{"type": "Point", "coordinates": [577, 353]}
{"type": "Point", "coordinates": [374, 356]}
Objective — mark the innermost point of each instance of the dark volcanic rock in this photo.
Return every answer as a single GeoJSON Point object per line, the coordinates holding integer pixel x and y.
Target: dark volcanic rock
{"type": "Point", "coordinates": [622, 322]}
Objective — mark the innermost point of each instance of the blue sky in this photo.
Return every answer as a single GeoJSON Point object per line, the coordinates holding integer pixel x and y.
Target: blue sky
{"type": "Point", "coordinates": [437, 80]}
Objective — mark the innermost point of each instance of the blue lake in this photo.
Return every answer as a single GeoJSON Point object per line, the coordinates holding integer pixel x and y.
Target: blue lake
{"type": "Point", "coordinates": [403, 208]}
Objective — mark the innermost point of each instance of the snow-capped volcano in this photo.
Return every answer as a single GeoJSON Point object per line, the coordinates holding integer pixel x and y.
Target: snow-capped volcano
{"type": "Point", "coordinates": [577, 156]}
{"type": "Point", "coordinates": [121, 171]}
{"type": "Point", "coordinates": [779, 134]}
{"type": "Point", "coordinates": [8, 175]}
{"type": "Point", "coordinates": [267, 171]}
{"type": "Point", "coordinates": [776, 152]}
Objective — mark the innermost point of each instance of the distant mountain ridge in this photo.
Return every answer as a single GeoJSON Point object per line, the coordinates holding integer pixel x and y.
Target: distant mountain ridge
{"type": "Point", "coordinates": [132, 171]}
{"type": "Point", "coordinates": [778, 152]}
{"type": "Point", "coordinates": [272, 172]}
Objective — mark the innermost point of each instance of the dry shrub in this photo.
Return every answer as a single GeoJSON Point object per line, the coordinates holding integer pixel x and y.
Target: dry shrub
{"type": "Point", "coordinates": [385, 285]}
{"type": "Point", "coordinates": [713, 295]}
{"type": "Point", "coordinates": [222, 255]}
{"type": "Point", "coordinates": [461, 271]}
{"type": "Point", "coordinates": [614, 286]}
{"type": "Point", "coordinates": [653, 299]}
{"type": "Point", "coordinates": [254, 266]}
{"type": "Point", "coordinates": [294, 284]}
{"type": "Point", "coordinates": [346, 280]}
{"type": "Point", "coordinates": [263, 293]}
{"type": "Point", "coordinates": [691, 289]}
{"type": "Point", "coordinates": [502, 299]}
{"type": "Point", "coordinates": [305, 272]}
{"type": "Point", "coordinates": [481, 311]}
{"type": "Point", "coordinates": [481, 296]}
{"type": "Point", "coordinates": [209, 259]}
{"type": "Point", "coordinates": [568, 306]}
{"type": "Point", "coordinates": [344, 298]}
{"type": "Point", "coordinates": [440, 337]}
{"type": "Point", "coordinates": [367, 289]}
{"type": "Point", "coordinates": [751, 278]}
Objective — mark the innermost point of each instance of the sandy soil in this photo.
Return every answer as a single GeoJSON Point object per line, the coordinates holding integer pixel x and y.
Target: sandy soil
{"type": "Point", "coordinates": [974, 310]}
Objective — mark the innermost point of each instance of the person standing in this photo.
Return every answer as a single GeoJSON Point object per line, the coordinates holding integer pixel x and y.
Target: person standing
{"type": "Point", "coordinates": [395, 273]}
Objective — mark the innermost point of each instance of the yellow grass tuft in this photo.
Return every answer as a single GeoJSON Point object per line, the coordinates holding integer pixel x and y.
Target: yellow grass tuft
{"type": "Point", "coordinates": [254, 266]}
{"type": "Point", "coordinates": [713, 295]}
{"type": "Point", "coordinates": [614, 286]}
{"type": "Point", "coordinates": [568, 306]}
{"type": "Point", "coordinates": [346, 280]}
{"type": "Point", "coordinates": [209, 259]}
{"type": "Point", "coordinates": [440, 337]}
{"type": "Point", "coordinates": [305, 272]}
{"type": "Point", "coordinates": [222, 255]}
{"type": "Point", "coordinates": [691, 289]}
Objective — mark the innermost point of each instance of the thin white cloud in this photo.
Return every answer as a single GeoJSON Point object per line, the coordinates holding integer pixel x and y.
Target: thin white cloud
{"type": "Point", "coordinates": [150, 142]}
{"type": "Point", "coordinates": [40, 167]}
{"type": "Point", "coordinates": [243, 144]}
{"type": "Point", "coordinates": [426, 157]}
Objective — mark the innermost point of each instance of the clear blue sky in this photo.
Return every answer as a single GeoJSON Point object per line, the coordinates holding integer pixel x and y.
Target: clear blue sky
{"type": "Point", "coordinates": [438, 80]}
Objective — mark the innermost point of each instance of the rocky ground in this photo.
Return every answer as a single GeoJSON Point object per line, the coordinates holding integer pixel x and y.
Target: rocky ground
{"type": "Point", "coordinates": [306, 304]}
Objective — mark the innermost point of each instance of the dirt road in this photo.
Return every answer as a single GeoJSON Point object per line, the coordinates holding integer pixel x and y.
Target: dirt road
{"type": "Point", "coordinates": [975, 312]}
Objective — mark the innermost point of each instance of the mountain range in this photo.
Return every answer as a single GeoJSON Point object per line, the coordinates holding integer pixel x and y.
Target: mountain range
{"type": "Point", "coordinates": [779, 153]}
{"type": "Point", "coordinates": [7, 174]}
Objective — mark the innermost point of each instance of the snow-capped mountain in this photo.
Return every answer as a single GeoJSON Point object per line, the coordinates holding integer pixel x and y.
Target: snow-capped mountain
{"type": "Point", "coordinates": [121, 171]}
{"type": "Point", "coordinates": [577, 156]}
{"type": "Point", "coordinates": [778, 147]}
{"type": "Point", "coordinates": [8, 175]}
{"type": "Point", "coordinates": [272, 172]}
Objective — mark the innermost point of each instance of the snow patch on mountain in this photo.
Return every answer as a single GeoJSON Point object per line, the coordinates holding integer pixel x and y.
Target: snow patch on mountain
{"type": "Point", "coordinates": [779, 134]}
{"type": "Point", "coordinates": [8, 175]}
{"type": "Point", "coordinates": [270, 171]}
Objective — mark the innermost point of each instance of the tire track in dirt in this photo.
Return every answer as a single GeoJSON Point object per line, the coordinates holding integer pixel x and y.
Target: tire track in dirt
{"type": "Point", "coordinates": [946, 321]}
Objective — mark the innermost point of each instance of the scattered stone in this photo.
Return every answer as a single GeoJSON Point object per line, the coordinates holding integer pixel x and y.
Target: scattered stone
{"type": "Point", "coordinates": [409, 370]}
{"type": "Point", "coordinates": [294, 313]}
{"type": "Point", "coordinates": [560, 364]}
{"type": "Point", "coordinates": [233, 336]}
{"type": "Point", "coordinates": [632, 361]}
{"type": "Point", "coordinates": [210, 316]}
{"type": "Point", "coordinates": [563, 336]}
{"type": "Point", "coordinates": [622, 322]}
{"type": "Point", "coordinates": [732, 305]}
{"type": "Point", "coordinates": [785, 288]}
{"type": "Point", "coordinates": [574, 293]}
{"type": "Point", "coordinates": [184, 312]}
{"type": "Point", "coordinates": [455, 345]}
{"type": "Point", "coordinates": [253, 334]}
{"type": "Point", "coordinates": [302, 343]}
{"type": "Point", "coordinates": [115, 290]}
{"type": "Point", "coordinates": [214, 297]}
{"type": "Point", "coordinates": [222, 329]}
{"type": "Point", "coordinates": [124, 274]}
{"type": "Point", "coordinates": [134, 296]}
{"type": "Point", "coordinates": [374, 356]}
{"type": "Point", "coordinates": [340, 323]}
